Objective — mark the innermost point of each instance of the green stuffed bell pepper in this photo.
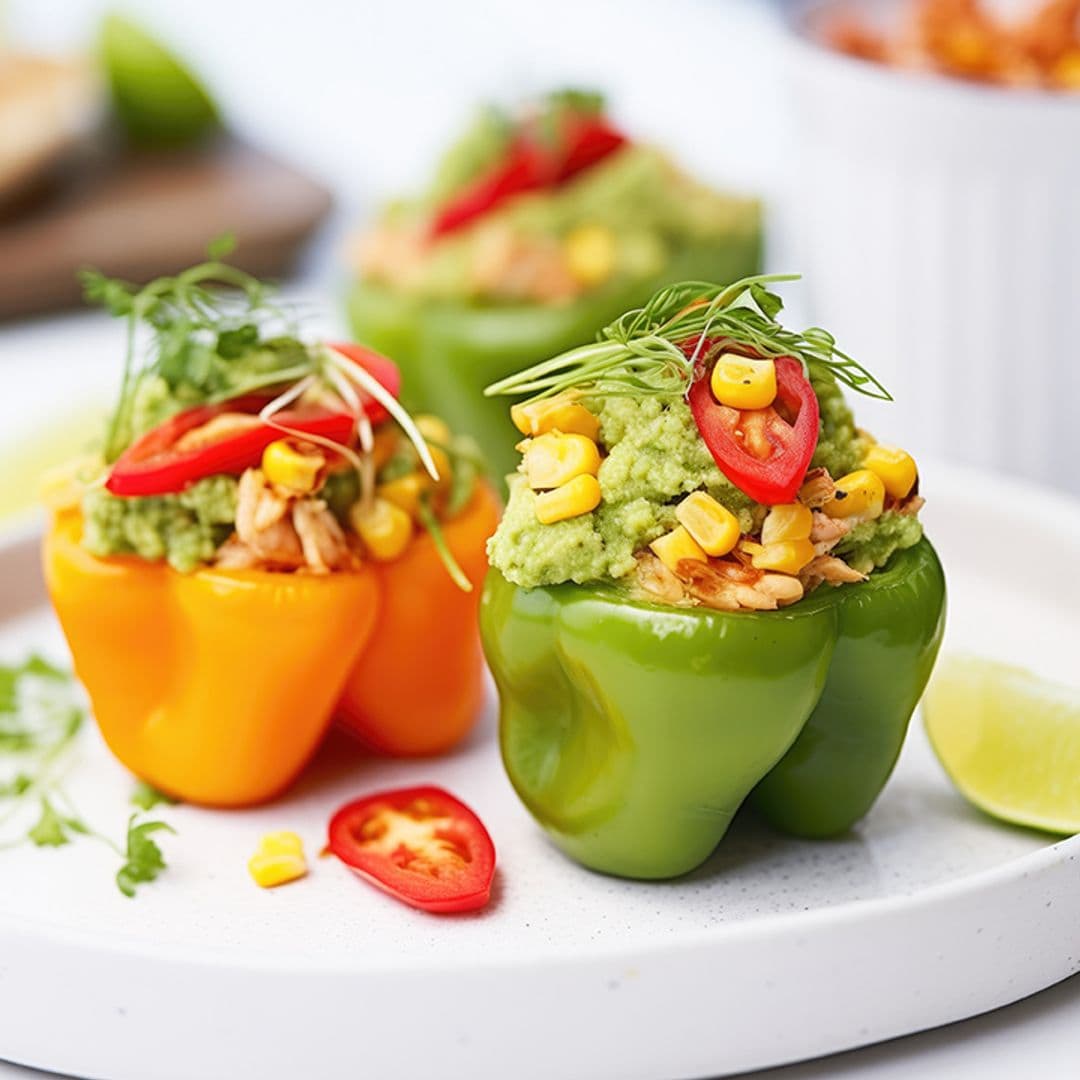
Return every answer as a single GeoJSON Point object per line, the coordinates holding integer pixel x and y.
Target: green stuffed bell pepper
{"type": "Point", "coordinates": [708, 589]}
{"type": "Point", "coordinates": [538, 230]}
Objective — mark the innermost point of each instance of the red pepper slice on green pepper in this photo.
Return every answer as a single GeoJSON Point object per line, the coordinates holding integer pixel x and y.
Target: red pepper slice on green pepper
{"type": "Point", "coordinates": [776, 478]}
{"type": "Point", "coordinates": [532, 163]}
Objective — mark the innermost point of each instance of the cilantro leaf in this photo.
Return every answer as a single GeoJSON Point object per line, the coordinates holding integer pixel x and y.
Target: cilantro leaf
{"type": "Point", "coordinates": [39, 708]}
{"type": "Point", "coordinates": [51, 829]}
{"type": "Point", "coordinates": [146, 797]}
{"type": "Point", "coordinates": [771, 305]}
{"type": "Point", "coordinates": [144, 858]}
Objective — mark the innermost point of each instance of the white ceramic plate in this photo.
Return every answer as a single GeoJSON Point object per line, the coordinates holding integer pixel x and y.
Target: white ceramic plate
{"type": "Point", "coordinates": [776, 950]}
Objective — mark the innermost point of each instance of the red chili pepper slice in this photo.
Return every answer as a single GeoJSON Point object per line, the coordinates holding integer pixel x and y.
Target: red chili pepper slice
{"type": "Point", "coordinates": [531, 165]}
{"type": "Point", "coordinates": [420, 845]}
{"type": "Point", "coordinates": [164, 462]}
{"type": "Point", "coordinates": [763, 452]}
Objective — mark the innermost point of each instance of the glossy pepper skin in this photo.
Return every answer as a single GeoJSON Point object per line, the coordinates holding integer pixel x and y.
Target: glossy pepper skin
{"type": "Point", "coordinates": [215, 686]}
{"type": "Point", "coordinates": [218, 686]}
{"type": "Point", "coordinates": [448, 352]}
{"type": "Point", "coordinates": [427, 648]}
{"type": "Point", "coordinates": [633, 732]}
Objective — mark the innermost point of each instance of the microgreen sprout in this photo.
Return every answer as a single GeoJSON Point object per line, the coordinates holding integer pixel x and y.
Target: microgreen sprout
{"type": "Point", "coordinates": [652, 351]}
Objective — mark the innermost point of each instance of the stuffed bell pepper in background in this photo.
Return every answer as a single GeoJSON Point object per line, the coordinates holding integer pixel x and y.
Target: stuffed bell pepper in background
{"type": "Point", "coordinates": [708, 586]}
{"type": "Point", "coordinates": [268, 541]}
{"type": "Point", "coordinates": [537, 229]}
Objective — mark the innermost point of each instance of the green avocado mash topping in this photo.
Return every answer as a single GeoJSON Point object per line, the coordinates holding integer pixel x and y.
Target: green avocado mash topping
{"type": "Point", "coordinates": [653, 455]}
{"type": "Point", "coordinates": [872, 544]}
{"type": "Point", "coordinates": [277, 416]}
{"type": "Point", "coordinates": [185, 530]}
{"type": "Point", "coordinates": [644, 209]}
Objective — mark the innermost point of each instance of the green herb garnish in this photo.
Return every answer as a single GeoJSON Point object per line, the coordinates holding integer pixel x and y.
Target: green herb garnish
{"type": "Point", "coordinates": [146, 796]}
{"type": "Point", "coordinates": [214, 333]}
{"type": "Point", "coordinates": [41, 714]}
{"type": "Point", "coordinates": [644, 353]}
{"type": "Point", "coordinates": [144, 859]}
{"type": "Point", "coordinates": [430, 521]}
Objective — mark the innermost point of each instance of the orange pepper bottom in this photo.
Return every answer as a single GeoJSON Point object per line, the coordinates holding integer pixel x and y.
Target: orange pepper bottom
{"type": "Point", "coordinates": [418, 686]}
{"type": "Point", "coordinates": [215, 686]}
{"type": "Point", "coordinates": [218, 686]}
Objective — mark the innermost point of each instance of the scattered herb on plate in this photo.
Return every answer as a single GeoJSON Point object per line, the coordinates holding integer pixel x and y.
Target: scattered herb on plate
{"type": "Point", "coordinates": [41, 715]}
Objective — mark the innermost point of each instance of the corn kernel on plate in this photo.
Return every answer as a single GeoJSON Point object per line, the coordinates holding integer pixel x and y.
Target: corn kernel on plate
{"type": "Point", "coordinates": [927, 913]}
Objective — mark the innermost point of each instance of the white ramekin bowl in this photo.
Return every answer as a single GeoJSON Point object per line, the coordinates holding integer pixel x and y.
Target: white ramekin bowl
{"type": "Point", "coordinates": [939, 229]}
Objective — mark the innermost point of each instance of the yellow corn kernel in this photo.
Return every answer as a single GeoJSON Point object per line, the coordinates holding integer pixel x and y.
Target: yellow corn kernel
{"type": "Point", "coordinates": [673, 547]}
{"type": "Point", "coordinates": [786, 556]}
{"type": "Point", "coordinates": [384, 527]}
{"type": "Point", "coordinates": [741, 382]}
{"type": "Point", "coordinates": [712, 526]}
{"type": "Point", "coordinates": [295, 467]}
{"type": "Point", "coordinates": [280, 858]}
{"type": "Point", "coordinates": [405, 491]}
{"type": "Point", "coordinates": [590, 254]}
{"type": "Point", "coordinates": [749, 547]}
{"type": "Point", "coordinates": [554, 459]}
{"type": "Point", "coordinates": [791, 521]}
{"type": "Point", "coordinates": [574, 498]}
{"type": "Point", "coordinates": [281, 843]}
{"type": "Point", "coordinates": [434, 429]}
{"type": "Point", "coordinates": [269, 871]}
{"type": "Point", "coordinates": [555, 414]}
{"type": "Point", "coordinates": [894, 467]}
{"type": "Point", "coordinates": [860, 494]}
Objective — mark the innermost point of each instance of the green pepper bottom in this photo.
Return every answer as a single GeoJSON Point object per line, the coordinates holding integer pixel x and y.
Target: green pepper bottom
{"type": "Point", "coordinates": [633, 732]}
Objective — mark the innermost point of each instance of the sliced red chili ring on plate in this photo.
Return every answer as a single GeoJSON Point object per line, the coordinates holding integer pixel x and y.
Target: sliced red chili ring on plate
{"type": "Point", "coordinates": [420, 845]}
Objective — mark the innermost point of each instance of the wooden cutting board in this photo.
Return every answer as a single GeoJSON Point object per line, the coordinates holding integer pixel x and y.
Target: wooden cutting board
{"type": "Point", "coordinates": [138, 216]}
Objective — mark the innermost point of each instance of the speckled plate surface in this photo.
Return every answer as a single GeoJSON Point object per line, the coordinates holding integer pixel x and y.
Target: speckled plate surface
{"type": "Point", "coordinates": [775, 950]}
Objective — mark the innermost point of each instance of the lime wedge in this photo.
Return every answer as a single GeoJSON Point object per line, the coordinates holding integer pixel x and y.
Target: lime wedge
{"type": "Point", "coordinates": [158, 100]}
{"type": "Point", "coordinates": [1009, 740]}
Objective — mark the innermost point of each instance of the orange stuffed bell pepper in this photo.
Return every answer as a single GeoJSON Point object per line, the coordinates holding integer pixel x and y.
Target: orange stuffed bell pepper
{"type": "Point", "coordinates": [418, 686]}
{"type": "Point", "coordinates": [270, 542]}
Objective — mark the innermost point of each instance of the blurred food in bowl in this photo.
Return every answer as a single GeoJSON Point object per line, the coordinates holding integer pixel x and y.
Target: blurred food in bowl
{"type": "Point", "coordinates": [939, 227]}
{"type": "Point", "coordinates": [1037, 47]}
{"type": "Point", "coordinates": [538, 227]}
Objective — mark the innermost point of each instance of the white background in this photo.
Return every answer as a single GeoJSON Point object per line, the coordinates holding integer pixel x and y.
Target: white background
{"type": "Point", "coordinates": [363, 95]}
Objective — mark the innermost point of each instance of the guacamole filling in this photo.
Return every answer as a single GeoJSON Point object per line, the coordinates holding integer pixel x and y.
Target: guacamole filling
{"type": "Point", "coordinates": [287, 503]}
{"type": "Point", "coordinates": [630, 526]}
{"type": "Point", "coordinates": [184, 530]}
{"type": "Point", "coordinates": [621, 220]}
{"type": "Point", "coordinates": [653, 457]}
